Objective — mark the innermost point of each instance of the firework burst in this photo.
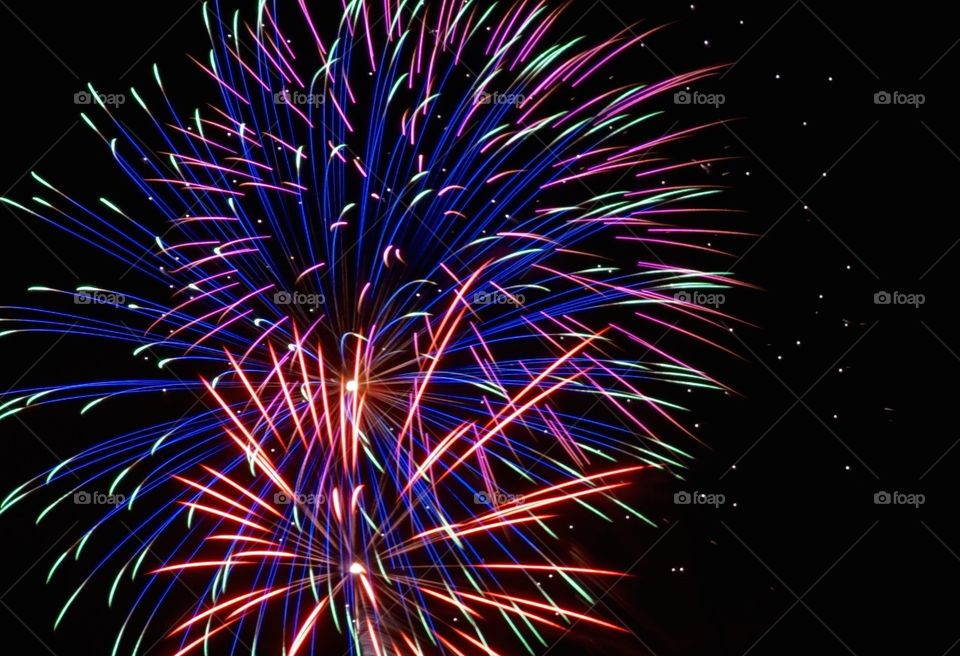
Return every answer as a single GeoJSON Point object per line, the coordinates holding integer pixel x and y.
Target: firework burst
{"type": "Point", "coordinates": [416, 333]}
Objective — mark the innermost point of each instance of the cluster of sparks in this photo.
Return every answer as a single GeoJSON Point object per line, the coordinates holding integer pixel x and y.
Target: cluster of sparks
{"type": "Point", "coordinates": [388, 460]}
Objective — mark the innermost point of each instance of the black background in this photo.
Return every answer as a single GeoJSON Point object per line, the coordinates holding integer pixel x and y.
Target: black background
{"type": "Point", "coordinates": [799, 559]}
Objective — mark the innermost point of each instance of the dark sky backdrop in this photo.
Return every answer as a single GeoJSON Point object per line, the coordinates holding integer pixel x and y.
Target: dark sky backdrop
{"type": "Point", "coordinates": [841, 397]}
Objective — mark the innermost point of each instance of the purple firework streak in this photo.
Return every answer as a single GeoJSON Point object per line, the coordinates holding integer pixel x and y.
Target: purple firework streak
{"type": "Point", "coordinates": [385, 278]}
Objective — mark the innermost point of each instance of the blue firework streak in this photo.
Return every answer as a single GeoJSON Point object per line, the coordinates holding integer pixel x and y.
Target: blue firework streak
{"type": "Point", "coordinates": [404, 313]}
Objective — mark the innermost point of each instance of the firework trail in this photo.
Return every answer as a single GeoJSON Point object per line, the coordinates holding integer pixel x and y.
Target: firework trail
{"type": "Point", "coordinates": [414, 332]}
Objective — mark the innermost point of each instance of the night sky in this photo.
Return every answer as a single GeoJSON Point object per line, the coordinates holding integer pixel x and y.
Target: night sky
{"type": "Point", "coordinates": [840, 395]}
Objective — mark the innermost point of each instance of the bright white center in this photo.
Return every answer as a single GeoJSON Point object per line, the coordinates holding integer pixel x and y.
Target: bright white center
{"type": "Point", "coordinates": [351, 385]}
{"type": "Point", "coordinates": [356, 568]}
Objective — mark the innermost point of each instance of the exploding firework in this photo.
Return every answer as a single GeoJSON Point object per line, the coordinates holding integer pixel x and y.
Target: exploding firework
{"type": "Point", "coordinates": [403, 272]}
